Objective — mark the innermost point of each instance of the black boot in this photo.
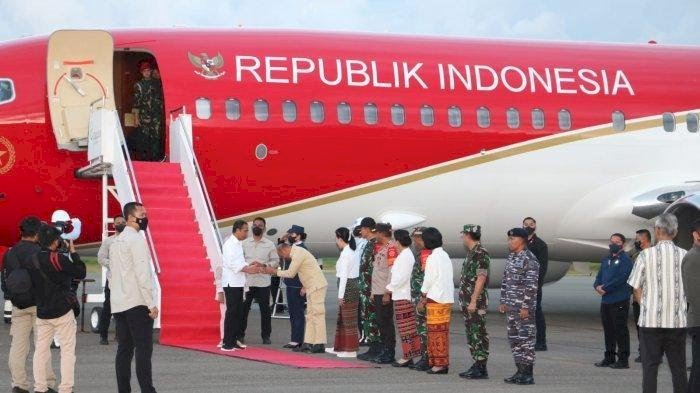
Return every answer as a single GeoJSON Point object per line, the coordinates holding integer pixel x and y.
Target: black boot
{"type": "Point", "coordinates": [608, 360]}
{"type": "Point", "coordinates": [387, 357]}
{"type": "Point", "coordinates": [526, 377]}
{"type": "Point", "coordinates": [515, 376]}
{"type": "Point", "coordinates": [379, 355]}
{"type": "Point", "coordinates": [477, 371]}
{"type": "Point", "coordinates": [371, 353]}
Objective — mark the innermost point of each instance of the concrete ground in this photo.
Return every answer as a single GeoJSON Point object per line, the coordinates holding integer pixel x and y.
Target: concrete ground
{"type": "Point", "coordinates": [574, 338]}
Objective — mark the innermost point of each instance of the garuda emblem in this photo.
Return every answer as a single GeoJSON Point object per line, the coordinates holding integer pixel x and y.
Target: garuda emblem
{"type": "Point", "coordinates": [207, 67]}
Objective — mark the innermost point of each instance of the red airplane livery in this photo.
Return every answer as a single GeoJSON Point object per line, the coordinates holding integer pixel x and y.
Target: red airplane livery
{"type": "Point", "coordinates": [320, 129]}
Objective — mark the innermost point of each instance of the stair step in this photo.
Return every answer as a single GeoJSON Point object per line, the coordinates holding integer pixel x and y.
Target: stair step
{"type": "Point", "coordinates": [165, 200]}
{"type": "Point", "coordinates": [170, 215]}
{"type": "Point", "coordinates": [182, 238]}
{"type": "Point", "coordinates": [169, 189]}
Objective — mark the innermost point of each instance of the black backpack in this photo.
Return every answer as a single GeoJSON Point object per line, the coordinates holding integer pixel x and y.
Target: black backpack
{"type": "Point", "coordinates": [19, 282]}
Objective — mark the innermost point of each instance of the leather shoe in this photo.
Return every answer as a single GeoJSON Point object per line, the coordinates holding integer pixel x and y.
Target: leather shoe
{"type": "Point", "coordinates": [443, 370]}
{"type": "Point", "coordinates": [290, 346]}
{"type": "Point", "coordinates": [104, 341]}
{"type": "Point", "coordinates": [317, 348]}
{"type": "Point", "coordinates": [407, 363]}
{"type": "Point", "coordinates": [18, 389]}
{"type": "Point", "coordinates": [620, 364]}
{"type": "Point", "coordinates": [302, 348]}
{"type": "Point", "coordinates": [266, 341]}
{"type": "Point", "coordinates": [421, 365]}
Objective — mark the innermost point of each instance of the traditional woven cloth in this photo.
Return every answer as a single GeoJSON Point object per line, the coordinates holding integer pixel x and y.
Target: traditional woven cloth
{"type": "Point", "coordinates": [438, 316]}
{"type": "Point", "coordinates": [406, 323]}
{"type": "Point", "coordinates": [346, 335]}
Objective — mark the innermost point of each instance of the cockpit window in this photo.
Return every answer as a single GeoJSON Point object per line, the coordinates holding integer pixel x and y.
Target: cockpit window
{"type": "Point", "coordinates": [7, 91]}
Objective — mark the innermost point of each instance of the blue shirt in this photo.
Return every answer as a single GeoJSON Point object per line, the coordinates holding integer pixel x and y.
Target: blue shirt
{"type": "Point", "coordinates": [613, 274]}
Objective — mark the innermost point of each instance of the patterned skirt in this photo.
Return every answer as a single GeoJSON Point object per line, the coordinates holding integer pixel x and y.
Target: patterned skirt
{"type": "Point", "coordinates": [346, 335]}
{"type": "Point", "coordinates": [406, 323]}
{"type": "Point", "coordinates": [438, 316]}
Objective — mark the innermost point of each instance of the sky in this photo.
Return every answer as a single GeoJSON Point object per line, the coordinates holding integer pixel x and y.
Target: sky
{"type": "Point", "coordinates": [638, 21]}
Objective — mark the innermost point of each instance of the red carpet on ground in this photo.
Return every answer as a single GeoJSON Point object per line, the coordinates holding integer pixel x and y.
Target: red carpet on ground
{"type": "Point", "coordinates": [284, 358]}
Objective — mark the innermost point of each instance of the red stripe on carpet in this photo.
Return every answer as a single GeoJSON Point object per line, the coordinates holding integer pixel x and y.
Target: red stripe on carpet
{"type": "Point", "coordinates": [273, 356]}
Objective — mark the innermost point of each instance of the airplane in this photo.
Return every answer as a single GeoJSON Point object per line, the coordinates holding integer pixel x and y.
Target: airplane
{"type": "Point", "coordinates": [319, 129]}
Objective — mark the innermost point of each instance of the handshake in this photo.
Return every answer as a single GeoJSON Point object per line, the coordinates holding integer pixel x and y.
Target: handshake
{"type": "Point", "coordinates": [257, 267]}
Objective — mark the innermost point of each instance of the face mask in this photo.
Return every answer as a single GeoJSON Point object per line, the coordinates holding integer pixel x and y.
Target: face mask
{"type": "Point", "coordinates": [119, 228]}
{"type": "Point", "coordinates": [530, 230]}
{"type": "Point", "coordinates": [638, 245]}
{"type": "Point", "coordinates": [292, 239]}
{"type": "Point", "coordinates": [615, 248]}
{"type": "Point", "coordinates": [143, 223]}
{"type": "Point", "coordinates": [257, 231]}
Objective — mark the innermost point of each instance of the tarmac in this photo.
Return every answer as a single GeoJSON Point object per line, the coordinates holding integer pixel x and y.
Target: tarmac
{"type": "Point", "coordinates": [574, 335]}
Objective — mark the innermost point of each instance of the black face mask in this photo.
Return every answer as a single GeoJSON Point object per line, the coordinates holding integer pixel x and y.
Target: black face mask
{"type": "Point", "coordinates": [119, 228]}
{"type": "Point", "coordinates": [530, 230]}
{"type": "Point", "coordinates": [143, 223]}
{"type": "Point", "coordinates": [614, 248]}
{"type": "Point", "coordinates": [257, 231]}
{"type": "Point", "coordinates": [638, 245]}
{"type": "Point", "coordinates": [292, 239]}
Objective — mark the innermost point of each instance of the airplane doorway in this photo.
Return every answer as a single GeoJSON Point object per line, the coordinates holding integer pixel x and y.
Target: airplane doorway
{"type": "Point", "coordinates": [139, 101]}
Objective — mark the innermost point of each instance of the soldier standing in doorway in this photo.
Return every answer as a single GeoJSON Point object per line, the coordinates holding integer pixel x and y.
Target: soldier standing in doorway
{"type": "Point", "coordinates": [148, 111]}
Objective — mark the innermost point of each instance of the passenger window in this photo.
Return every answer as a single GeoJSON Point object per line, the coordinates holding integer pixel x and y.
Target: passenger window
{"type": "Point", "coordinates": [564, 120]}
{"type": "Point", "coordinates": [371, 114]}
{"type": "Point", "coordinates": [427, 116]}
{"type": "Point", "coordinates": [7, 91]}
{"type": "Point", "coordinates": [398, 115]}
{"type": "Point", "coordinates": [233, 109]}
{"type": "Point", "coordinates": [316, 112]}
{"type": "Point", "coordinates": [262, 110]}
{"type": "Point", "coordinates": [669, 122]}
{"type": "Point", "coordinates": [513, 118]}
{"type": "Point", "coordinates": [344, 114]}
{"type": "Point", "coordinates": [289, 111]}
{"type": "Point", "coordinates": [202, 108]}
{"type": "Point", "coordinates": [692, 122]}
{"type": "Point", "coordinates": [537, 119]}
{"type": "Point", "coordinates": [483, 117]}
{"type": "Point", "coordinates": [618, 121]}
{"type": "Point", "coordinates": [454, 116]}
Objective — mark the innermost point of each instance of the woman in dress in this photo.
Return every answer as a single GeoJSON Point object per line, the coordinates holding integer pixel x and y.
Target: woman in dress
{"type": "Point", "coordinates": [347, 271]}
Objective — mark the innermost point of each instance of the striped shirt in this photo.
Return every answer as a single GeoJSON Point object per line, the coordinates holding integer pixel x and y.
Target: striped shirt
{"type": "Point", "coordinates": [657, 272]}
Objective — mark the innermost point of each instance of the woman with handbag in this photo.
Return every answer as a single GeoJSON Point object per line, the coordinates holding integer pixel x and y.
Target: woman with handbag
{"type": "Point", "coordinates": [51, 280]}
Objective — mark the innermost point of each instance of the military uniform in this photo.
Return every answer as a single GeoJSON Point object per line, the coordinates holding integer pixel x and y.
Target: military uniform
{"type": "Point", "coordinates": [475, 264]}
{"type": "Point", "coordinates": [370, 329]}
{"type": "Point", "coordinates": [417, 276]}
{"type": "Point", "coordinates": [148, 104]}
{"type": "Point", "coordinates": [519, 291]}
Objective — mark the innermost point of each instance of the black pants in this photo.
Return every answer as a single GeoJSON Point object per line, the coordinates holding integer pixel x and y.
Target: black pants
{"type": "Point", "coordinates": [295, 304]}
{"type": "Point", "coordinates": [262, 296]}
{"type": "Point", "coordinates": [385, 321]}
{"type": "Point", "coordinates": [135, 332]}
{"type": "Point", "coordinates": [106, 314]}
{"type": "Point", "coordinates": [617, 334]}
{"type": "Point", "coordinates": [636, 310]}
{"type": "Point", "coordinates": [274, 288]}
{"type": "Point", "coordinates": [655, 343]}
{"type": "Point", "coordinates": [694, 382]}
{"type": "Point", "coordinates": [233, 320]}
{"type": "Point", "coordinates": [539, 321]}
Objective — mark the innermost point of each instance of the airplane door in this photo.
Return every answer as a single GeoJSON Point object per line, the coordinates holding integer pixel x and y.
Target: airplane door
{"type": "Point", "coordinates": [79, 79]}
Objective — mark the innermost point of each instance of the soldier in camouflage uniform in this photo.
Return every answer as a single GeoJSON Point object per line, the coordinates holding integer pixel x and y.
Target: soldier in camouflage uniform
{"type": "Point", "coordinates": [473, 298]}
{"type": "Point", "coordinates": [417, 276]}
{"type": "Point", "coordinates": [518, 302]}
{"type": "Point", "coordinates": [148, 108]}
{"type": "Point", "coordinates": [368, 313]}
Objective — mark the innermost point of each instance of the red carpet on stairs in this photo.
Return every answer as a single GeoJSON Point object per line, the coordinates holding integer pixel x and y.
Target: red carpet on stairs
{"type": "Point", "coordinates": [189, 314]}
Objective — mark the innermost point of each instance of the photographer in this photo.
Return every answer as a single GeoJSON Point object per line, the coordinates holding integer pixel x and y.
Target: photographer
{"type": "Point", "coordinates": [52, 280]}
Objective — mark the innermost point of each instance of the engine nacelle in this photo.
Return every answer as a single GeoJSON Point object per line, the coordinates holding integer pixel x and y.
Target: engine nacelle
{"type": "Point", "coordinates": [687, 210]}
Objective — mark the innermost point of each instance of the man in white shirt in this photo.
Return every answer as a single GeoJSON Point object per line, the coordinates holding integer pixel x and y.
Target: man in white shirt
{"type": "Point", "coordinates": [103, 259]}
{"type": "Point", "coordinates": [133, 305]}
{"type": "Point", "coordinates": [658, 288]}
{"type": "Point", "coordinates": [259, 251]}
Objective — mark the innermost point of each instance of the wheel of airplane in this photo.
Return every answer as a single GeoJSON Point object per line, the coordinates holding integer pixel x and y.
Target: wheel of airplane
{"type": "Point", "coordinates": [95, 319]}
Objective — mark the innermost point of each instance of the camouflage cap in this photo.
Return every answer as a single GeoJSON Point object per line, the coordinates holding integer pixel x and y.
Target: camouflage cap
{"type": "Point", "coordinates": [471, 228]}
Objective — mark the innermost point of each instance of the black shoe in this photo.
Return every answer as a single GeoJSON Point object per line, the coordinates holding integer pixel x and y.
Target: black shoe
{"type": "Point", "coordinates": [477, 371]}
{"type": "Point", "coordinates": [371, 353]}
{"type": "Point", "coordinates": [387, 357]}
{"type": "Point", "coordinates": [540, 347]}
{"type": "Point", "coordinates": [242, 340]}
{"type": "Point", "coordinates": [421, 365]}
{"type": "Point", "coordinates": [49, 390]}
{"type": "Point", "coordinates": [302, 348]}
{"type": "Point", "coordinates": [621, 363]}
{"type": "Point", "coordinates": [317, 348]}
{"type": "Point", "coordinates": [638, 359]}
{"type": "Point", "coordinates": [443, 370]}
{"type": "Point", "coordinates": [291, 346]}
{"type": "Point", "coordinates": [515, 376]}
{"type": "Point", "coordinates": [104, 341]}
{"type": "Point", "coordinates": [607, 361]}
{"type": "Point", "coordinates": [266, 341]}
{"type": "Point", "coordinates": [18, 389]}
{"type": "Point", "coordinates": [526, 377]}
{"type": "Point", "coordinates": [407, 363]}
